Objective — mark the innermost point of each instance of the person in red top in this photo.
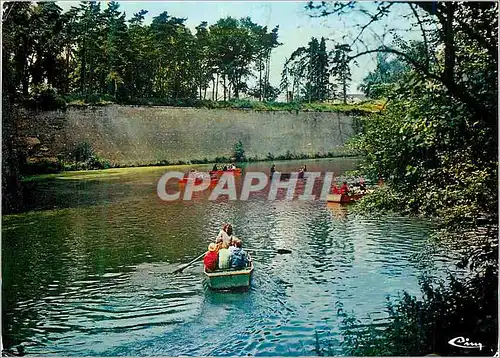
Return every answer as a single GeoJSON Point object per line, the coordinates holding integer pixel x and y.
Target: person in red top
{"type": "Point", "coordinates": [210, 259]}
{"type": "Point", "coordinates": [344, 189]}
{"type": "Point", "coordinates": [335, 189]}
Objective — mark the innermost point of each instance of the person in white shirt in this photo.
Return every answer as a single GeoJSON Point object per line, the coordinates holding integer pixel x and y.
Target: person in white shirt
{"type": "Point", "coordinates": [223, 234]}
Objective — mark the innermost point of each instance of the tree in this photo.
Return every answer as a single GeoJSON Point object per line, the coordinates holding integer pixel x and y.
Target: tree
{"type": "Point", "coordinates": [435, 145]}
{"type": "Point", "coordinates": [239, 152]}
{"type": "Point", "coordinates": [309, 72]}
{"type": "Point", "coordinates": [380, 82]}
{"type": "Point", "coordinates": [340, 69]}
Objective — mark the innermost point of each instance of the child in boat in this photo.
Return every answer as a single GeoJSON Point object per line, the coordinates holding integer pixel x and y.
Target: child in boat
{"type": "Point", "coordinates": [224, 257]}
{"type": "Point", "coordinates": [211, 257]}
{"type": "Point", "coordinates": [239, 258]}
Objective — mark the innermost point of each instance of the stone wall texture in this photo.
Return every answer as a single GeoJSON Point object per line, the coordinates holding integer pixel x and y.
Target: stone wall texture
{"type": "Point", "coordinates": [131, 135]}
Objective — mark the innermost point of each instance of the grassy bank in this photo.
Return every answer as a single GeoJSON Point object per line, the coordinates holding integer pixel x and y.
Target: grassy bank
{"type": "Point", "coordinates": [57, 102]}
{"type": "Point", "coordinates": [46, 169]}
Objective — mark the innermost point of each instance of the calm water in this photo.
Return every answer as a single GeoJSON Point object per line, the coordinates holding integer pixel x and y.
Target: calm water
{"type": "Point", "coordinates": [87, 270]}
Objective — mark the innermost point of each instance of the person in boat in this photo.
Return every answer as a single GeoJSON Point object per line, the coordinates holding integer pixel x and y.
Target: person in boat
{"type": "Point", "coordinates": [239, 258]}
{"type": "Point", "coordinates": [273, 169]}
{"type": "Point", "coordinates": [223, 234]}
{"type": "Point", "coordinates": [211, 258]}
{"type": "Point", "coordinates": [305, 169]}
{"type": "Point", "coordinates": [362, 185]}
{"type": "Point", "coordinates": [215, 167]}
{"type": "Point", "coordinates": [229, 232]}
{"type": "Point", "coordinates": [335, 189]}
{"type": "Point", "coordinates": [224, 257]}
{"type": "Point", "coordinates": [344, 189]}
{"type": "Point", "coordinates": [225, 167]}
{"type": "Point", "coordinates": [218, 243]}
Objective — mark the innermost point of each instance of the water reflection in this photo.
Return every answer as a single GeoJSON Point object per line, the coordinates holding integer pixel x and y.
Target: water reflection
{"type": "Point", "coordinates": [93, 277]}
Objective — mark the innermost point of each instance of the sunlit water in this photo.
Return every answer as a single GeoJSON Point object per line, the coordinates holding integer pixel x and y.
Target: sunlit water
{"type": "Point", "coordinates": [88, 270]}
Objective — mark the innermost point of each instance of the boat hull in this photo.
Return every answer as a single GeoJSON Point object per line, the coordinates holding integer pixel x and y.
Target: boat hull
{"type": "Point", "coordinates": [228, 280]}
{"type": "Point", "coordinates": [220, 172]}
{"type": "Point", "coordinates": [338, 198]}
{"type": "Point", "coordinates": [343, 198]}
{"type": "Point", "coordinates": [197, 181]}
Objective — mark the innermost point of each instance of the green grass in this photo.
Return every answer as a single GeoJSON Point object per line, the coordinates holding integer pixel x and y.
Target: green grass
{"type": "Point", "coordinates": [64, 169]}
{"type": "Point", "coordinates": [103, 100]}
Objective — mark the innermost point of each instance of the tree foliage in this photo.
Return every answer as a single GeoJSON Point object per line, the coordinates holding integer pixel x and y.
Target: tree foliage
{"type": "Point", "coordinates": [435, 144]}
{"type": "Point", "coordinates": [93, 50]}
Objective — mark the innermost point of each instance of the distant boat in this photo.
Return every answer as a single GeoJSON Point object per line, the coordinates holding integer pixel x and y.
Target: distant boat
{"type": "Point", "coordinates": [220, 172]}
{"type": "Point", "coordinates": [288, 175]}
{"type": "Point", "coordinates": [229, 279]}
{"type": "Point", "coordinates": [343, 198]}
{"type": "Point", "coordinates": [197, 181]}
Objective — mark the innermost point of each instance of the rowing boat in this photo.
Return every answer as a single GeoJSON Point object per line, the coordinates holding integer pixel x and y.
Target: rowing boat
{"type": "Point", "coordinates": [220, 172]}
{"type": "Point", "coordinates": [197, 181]}
{"type": "Point", "coordinates": [300, 175]}
{"type": "Point", "coordinates": [229, 279]}
{"type": "Point", "coordinates": [343, 198]}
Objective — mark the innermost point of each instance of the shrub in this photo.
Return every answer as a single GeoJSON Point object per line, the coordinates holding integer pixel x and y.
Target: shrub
{"type": "Point", "coordinates": [44, 97]}
{"type": "Point", "coordinates": [239, 152]}
{"type": "Point", "coordinates": [82, 152]}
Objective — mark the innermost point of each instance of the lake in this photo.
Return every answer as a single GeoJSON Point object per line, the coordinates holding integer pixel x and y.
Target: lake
{"type": "Point", "coordinates": [87, 268]}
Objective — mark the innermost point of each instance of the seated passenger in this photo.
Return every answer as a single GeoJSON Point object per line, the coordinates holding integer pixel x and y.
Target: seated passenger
{"type": "Point", "coordinates": [362, 185]}
{"type": "Point", "coordinates": [344, 189]}
{"type": "Point", "coordinates": [335, 189]}
{"type": "Point", "coordinates": [215, 167]}
{"type": "Point", "coordinates": [224, 257]}
{"type": "Point", "coordinates": [225, 167]}
{"type": "Point", "coordinates": [211, 257]}
{"type": "Point", "coordinates": [219, 243]}
{"type": "Point", "coordinates": [239, 258]}
{"type": "Point", "coordinates": [223, 235]}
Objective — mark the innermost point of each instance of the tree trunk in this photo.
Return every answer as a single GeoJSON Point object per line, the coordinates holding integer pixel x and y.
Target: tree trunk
{"type": "Point", "coordinates": [449, 50]}
{"type": "Point", "coordinates": [261, 64]}
{"type": "Point", "coordinates": [225, 88]}
{"type": "Point", "coordinates": [217, 88]}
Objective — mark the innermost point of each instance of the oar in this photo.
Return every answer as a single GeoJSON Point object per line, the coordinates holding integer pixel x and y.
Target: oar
{"type": "Point", "coordinates": [180, 269]}
{"type": "Point", "coordinates": [279, 251]}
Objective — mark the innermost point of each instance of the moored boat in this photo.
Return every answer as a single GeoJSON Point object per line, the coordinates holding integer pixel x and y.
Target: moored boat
{"type": "Point", "coordinates": [229, 279]}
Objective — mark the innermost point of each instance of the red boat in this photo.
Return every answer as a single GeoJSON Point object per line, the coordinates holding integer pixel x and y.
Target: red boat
{"type": "Point", "coordinates": [197, 181]}
{"type": "Point", "coordinates": [343, 198]}
{"type": "Point", "coordinates": [220, 172]}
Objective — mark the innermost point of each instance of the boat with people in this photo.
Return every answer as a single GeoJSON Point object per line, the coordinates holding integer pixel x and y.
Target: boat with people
{"type": "Point", "coordinates": [230, 278]}
{"type": "Point", "coordinates": [288, 175]}
{"type": "Point", "coordinates": [226, 264]}
{"type": "Point", "coordinates": [198, 177]}
{"type": "Point", "coordinates": [343, 198]}
{"type": "Point", "coordinates": [197, 181]}
{"type": "Point", "coordinates": [220, 172]}
{"type": "Point", "coordinates": [346, 195]}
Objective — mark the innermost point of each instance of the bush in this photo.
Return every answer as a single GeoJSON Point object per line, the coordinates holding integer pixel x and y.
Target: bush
{"type": "Point", "coordinates": [82, 152]}
{"type": "Point", "coordinates": [44, 97]}
{"type": "Point", "coordinates": [239, 152]}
